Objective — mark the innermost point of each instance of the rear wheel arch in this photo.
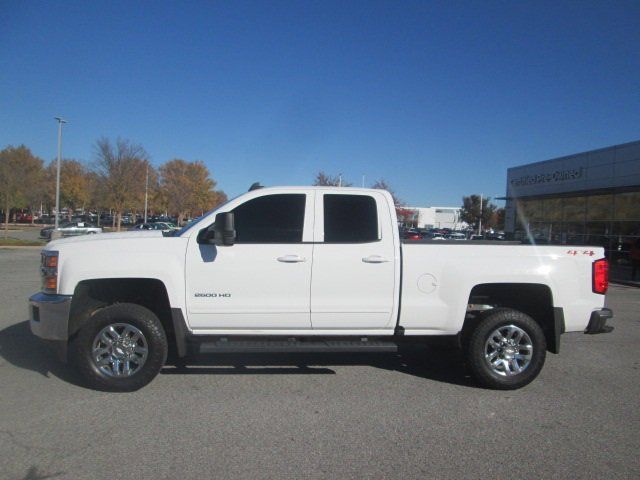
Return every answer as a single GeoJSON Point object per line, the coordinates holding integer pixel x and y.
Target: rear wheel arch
{"type": "Point", "coordinates": [532, 299]}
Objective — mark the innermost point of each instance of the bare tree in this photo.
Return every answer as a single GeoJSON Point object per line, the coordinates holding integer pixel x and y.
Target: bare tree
{"type": "Point", "coordinates": [122, 169]}
{"type": "Point", "coordinates": [324, 180]}
{"type": "Point", "coordinates": [383, 185]}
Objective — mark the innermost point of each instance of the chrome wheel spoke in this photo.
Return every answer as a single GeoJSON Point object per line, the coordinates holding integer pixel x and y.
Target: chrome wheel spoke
{"type": "Point", "coordinates": [116, 367]}
{"type": "Point", "coordinates": [506, 367]}
{"type": "Point", "coordinates": [99, 352]}
{"type": "Point", "coordinates": [126, 333]}
{"type": "Point", "coordinates": [140, 350]}
{"type": "Point", "coordinates": [113, 332]}
{"type": "Point", "coordinates": [513, 366]}
{"type": "Point", "coordinates": [104, 361]}
{"type": "Point", "coordinates": [526, 348]}
{"type": "Point", "coordinates": [517, 336]}
{"type": "Point", "coordinates": [104, 338]}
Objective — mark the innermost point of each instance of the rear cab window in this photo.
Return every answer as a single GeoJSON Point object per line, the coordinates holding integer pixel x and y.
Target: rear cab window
{"type": "Point", "coordinates": [350, 219]}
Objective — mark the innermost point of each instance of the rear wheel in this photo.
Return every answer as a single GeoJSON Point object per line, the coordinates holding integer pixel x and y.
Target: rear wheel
{"type": "Point", "coordinates": [120, 349]}
{"type": "Point", "coordinates": [506, 350]}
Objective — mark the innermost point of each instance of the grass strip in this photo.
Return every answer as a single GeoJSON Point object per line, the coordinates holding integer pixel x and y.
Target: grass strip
{"type": "Point", "coordinates": [16, 242]}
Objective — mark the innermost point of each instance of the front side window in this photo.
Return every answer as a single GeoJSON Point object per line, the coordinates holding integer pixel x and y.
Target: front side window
{"type": "Point", "coordinates": [350, 219]}
{"type": "Point", "coordinates": [270, 219]}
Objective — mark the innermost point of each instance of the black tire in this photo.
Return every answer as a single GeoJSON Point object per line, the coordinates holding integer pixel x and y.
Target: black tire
{"type": "Point", "coordinates": [142, 319]}
{"type": "Point", "coordinates": [505, 321]}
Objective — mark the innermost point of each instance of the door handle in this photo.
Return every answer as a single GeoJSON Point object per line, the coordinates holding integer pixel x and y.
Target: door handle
{"type": "Point", "coordinates": [291, 259]}
{"type": "Point", "coordinates": [374, 259]}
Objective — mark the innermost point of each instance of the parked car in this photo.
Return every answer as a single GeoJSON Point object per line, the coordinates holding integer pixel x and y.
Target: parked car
{"type": "Point", "coordinates": [434, 236]}
{"type": "Point", "coordinates": [163, 226]}
{"type": "Point", "coordinates": [495, 236]}
{"type": "Point", "coordinates": [455, 236]}
{"type": "Point", "coordinates": [411, 234]}
{"type": "Point", "coordinates": [69, 229]}
{"type": "Point", "coordinates": [162, 218]}
{"type": "Point", "coordinates": [22, 217]}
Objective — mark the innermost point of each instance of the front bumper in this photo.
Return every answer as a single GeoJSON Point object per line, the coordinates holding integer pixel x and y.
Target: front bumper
{"type": "Point", "coordinates": [598, 320]}
{"type": "Point", "coordinates": [49, 316]}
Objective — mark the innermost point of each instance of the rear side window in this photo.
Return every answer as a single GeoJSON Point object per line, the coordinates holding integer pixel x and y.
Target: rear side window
{"type": "Point", "coordinates": [350, 219]}
{"type": "Point", "coordinates": [270, 219]}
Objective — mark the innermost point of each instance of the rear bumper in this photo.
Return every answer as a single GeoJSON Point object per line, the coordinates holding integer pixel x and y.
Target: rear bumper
{"type": "Point", "coordinates": [598, 321]}
{"type": "Point", "coordinates": [49, 316]}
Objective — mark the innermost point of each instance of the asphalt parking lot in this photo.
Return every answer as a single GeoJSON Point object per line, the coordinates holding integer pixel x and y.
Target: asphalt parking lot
{"type": "Point", "coordinates": [409, 415]}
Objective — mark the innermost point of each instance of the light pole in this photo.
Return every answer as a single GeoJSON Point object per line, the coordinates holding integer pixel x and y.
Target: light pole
{"type": "Point", "coordinates": [146, 194]}
{"type": "Point", "coordinates": [60, 122]}
{"type": "Point", "coordinates": [480, 220]}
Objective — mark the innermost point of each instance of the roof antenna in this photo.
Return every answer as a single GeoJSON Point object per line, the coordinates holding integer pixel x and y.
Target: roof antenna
{"type": "Point", "coordinates": [255, 186]}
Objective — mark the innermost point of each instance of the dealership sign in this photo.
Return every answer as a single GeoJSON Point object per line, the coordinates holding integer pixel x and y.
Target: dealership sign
{"type": "Point", "coordinates": [550, 177]}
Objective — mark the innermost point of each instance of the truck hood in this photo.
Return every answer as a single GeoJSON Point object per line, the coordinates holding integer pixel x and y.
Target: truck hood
{"type": "Point", "coordinates": [104, 237]}
{"type": "Point", "coordinates": [120, 255]}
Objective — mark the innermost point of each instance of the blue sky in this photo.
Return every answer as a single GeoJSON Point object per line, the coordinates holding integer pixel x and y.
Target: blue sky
{"type": "Point", "coordinates": [438, 98]}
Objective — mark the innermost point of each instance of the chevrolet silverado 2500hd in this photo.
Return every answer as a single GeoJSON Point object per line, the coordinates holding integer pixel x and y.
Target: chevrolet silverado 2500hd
{"type": "Point", "coordinates": [309, 269]}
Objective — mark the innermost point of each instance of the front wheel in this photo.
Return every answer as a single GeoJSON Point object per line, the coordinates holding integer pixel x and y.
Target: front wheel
{"type": "Point", "coordinates": [506, 350]}
{"type": "Point", "coordinates": [121, 348]}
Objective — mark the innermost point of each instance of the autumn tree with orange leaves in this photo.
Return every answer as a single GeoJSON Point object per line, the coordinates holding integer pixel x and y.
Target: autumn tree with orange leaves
{"type": "Point", "coordinates": [188, 188]}
{"type": "Point", "coordinates": [75, 184]}
{"type": "Point", "coordinates": [20, 171]}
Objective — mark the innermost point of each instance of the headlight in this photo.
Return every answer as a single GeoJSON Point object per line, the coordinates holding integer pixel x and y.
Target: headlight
{"type": "Point", "coordinates": [49, 270]}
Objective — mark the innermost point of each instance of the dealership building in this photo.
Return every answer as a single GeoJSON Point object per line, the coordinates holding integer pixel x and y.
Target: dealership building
{"type": "Point", "coordinates": [590, 198]}
{"type": "Point", "coordinates": [437, 217]}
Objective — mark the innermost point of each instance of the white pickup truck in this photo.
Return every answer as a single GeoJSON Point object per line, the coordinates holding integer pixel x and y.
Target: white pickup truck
{"type": "Point", "coordinates": [308, 269]}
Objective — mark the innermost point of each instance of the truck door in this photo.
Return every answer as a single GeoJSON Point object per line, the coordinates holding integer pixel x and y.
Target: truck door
{"type": "Point", "coordinates": [355, 272]}
{"type": "Point", "coordinates": [263, 281]}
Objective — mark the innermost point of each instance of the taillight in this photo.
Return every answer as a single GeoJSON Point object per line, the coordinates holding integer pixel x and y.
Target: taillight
{"type": "Point", "coordinates": [600, 276]}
